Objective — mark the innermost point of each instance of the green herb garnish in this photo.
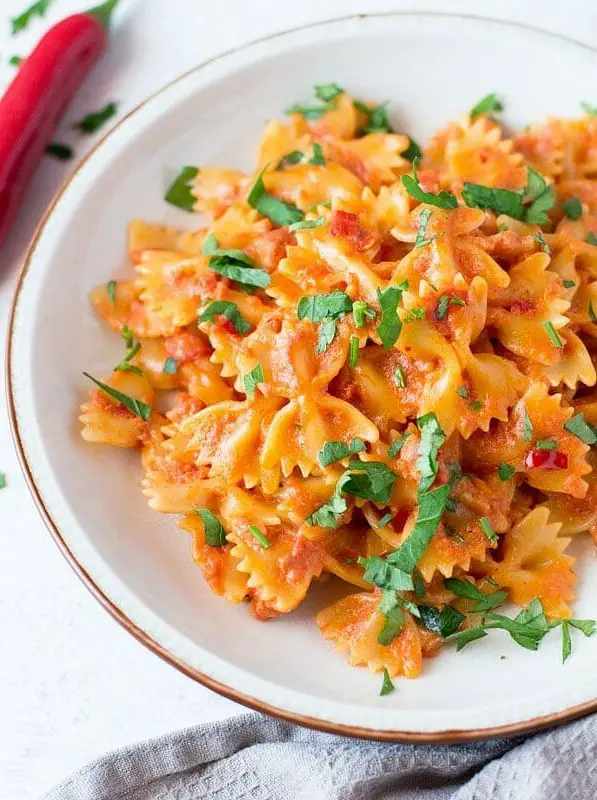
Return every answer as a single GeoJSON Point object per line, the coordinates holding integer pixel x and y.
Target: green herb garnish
{"type": "Point", "coordinates": [170, 366]}
{"type": "Point", "coordinates": [336, 451]}
{"type": "Point", "coordinates": [306, 224]}
{"type": "Point", "coordinates": [443, 199]}
{"type": "Point", "coordinates": [261, 537]}
{"type": "Point", "coordinates": [506, 471]}
{"type": "Point", "coordinates": [584, 431]}
{"type": "Point", "coordinates": [487, 529]}
{"type": "Point", "coordinates": [572, 208]}
{"type": "Point", "coordinates": [353, 351]}
{"type": "Point", "coordinates": [234, 264]}
{"type": "Point", "coordinates": [111, 291]}
{"type": "Point", "coordinates": [546, 444]}
{"type": "Point", "coordinates": [362, 312]}
{"type": "Point", "coordinates": [592, 238]}
{"type": "Point", "coordinates": [224, 308]}
{"type": "Point", "coordinates": [215, 535]}
{"type": "Point", "coordinates": [96, 119]}
{"type": "Point", "coordinates": [278, 211]}
{"type": "Point", "coordinates": [397, 445]}
{"type": "Point", "coordinates": [569, 284]}
{"type": "Point", "coordinates": [553, 334]}
{"type": "Point", "coordinates": [371, 480]}
{"type": "Point", "coordinates": [540, 238]}
{"type": "Point", "coordinates": [589, 109]}
{"type": "Point", "coordinates": [399, 377]}
{"type": "Point", "coordinates": [462, 391]}
{"type": "Point", "coordinates": [15, 61]}
{"type": "Point", "coordinates": [490, 103]}
{"type": "Point", "coordinates": [2, 480]}
{"type": "Point", "coordinates": [390, 323]}
{"type": "Point", "coordinates": [444, 621]}
{"type": "Point", "coordinates": [421, 239]}
{"type": "Point", "coordinates": [432, 438]}
{"type": "Point", "coordinates": [60, 151]}
{"type": "Point", "coordinates": [179, 194]}
{"type": "Point", "coordinates": [252, 379]}
{"type": "Point", "coordinates": [412, 151]}
{"type": "Point", "coordinates": [20, 22]}
{"type": "Point", "coordinates": [381, 573]}
{"type": "Point", "coordinates": [387, 687]}
{"type": "Point", "coordinates": [483, 602]}
{"type": "Point", "coordinates": [142, 410]}
{"type": "Point", "coordinates": [377, 119]}
{"type": "Point", "coordinates": [592, 315]}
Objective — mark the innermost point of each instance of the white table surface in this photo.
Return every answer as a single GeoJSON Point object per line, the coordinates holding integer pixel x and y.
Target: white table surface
{"type": "Point", "coordinates": [73, 684]}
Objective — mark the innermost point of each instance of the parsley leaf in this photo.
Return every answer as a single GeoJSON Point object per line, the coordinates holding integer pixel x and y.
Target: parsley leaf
{"type": "Point", "coordinates": [294, 157]}
{"type": "Point", "coordinates": [60, 151]}
{"type": "Point", "coordinates": [15, 61]}
{"type": "Point", "coordinates": [353, 351]}
{"type": "Point", "coordinates": [444, 621]}
{"type": "Point", "coordinates": [421, 239]}
{"type": "Point", "coordinates": [546, 444]}
{"type": "Point", "coordinates": [234, 264]}
{"type": "Point", "coordinates": [527, 426]}
{"type": "Point", "coordinates": [179, 194]}
{"type": "Point", "coordinates": [260, 536]}
{"type": "Point", "coordinates": [397, 445]}
{"type": "Point", "coordinates": [483, 602]}
{"type": "Point", "coordinates": [362, 312]}
{"type": "Point", "coordinates": [489, 103]}
{"type": "Point", "coordinates": [132, 350]}
{"type": "Point", "coordinates": [443, 199]}
{"type": "Point", "coordinates": [566, 640]}
{"type": "Point", "coordinates": [224, 308]}
{"type": "Point", "coordinates": [278, 211]}
{"type": "Point", "coordinates": [327, 92]}
{"type": "Point", "coordinates": [584, 431]}
{"type": "Point", "coordinates": [170, 366]}
{"type": "Point", "coordinates": [317, 158]}
{"type": "Point", "coordinates": [394, 619]}
{"type": "Point", "coordinates": [390, 323]}
{"type": "Point", "coordinates": [371, 480]}
{"type": "Point", "coordinates": [572, 208]}
{"type": "Point", "coordinates": [215, 535]}
{"type": "Point", "coordinates": [432, 438]}
{"type": "Point", "coordinates": [2, 480]}
{"type": "Point", "coordinates": [377, 119]}
{"type": "Point", "coordinates": [431, 508]}
{"type": "Point", "coordinates": [569, 284]}
{"type": "Point", "coordinates": [318, 307]}
{"type": "Point", "coordinates": [387, 687]}
{"type": "Point", "coordinates": [540, 238]}
{"type": "Point", "coordinates": [336, 451]}
{"type": "Point", "coordinates": [327, 515]}
{"type": "Point", "coordinates": [589, 109]}
{"type": "Point", "coordinates": [462, 638]}
{"type": "Point", "coordinates": [327, 334]}
{"type": "Point", "coordinates": [252, 378]}
{"type": "Point", "coordinates": [412, 151]}
{"type": "Point", "coordinates": [592, 238]}
{"type": "Point", "coordinates": [95, 120]}
{"type": "Point", "coordinates": [20, 22]}
{"type": "Point", "coordinates": [383, 521]}
{"type": "Point", "coordinates": [501, 201]}
{"type": "Point", "coordinates": [462, 391]}
{"type": "Point", "coordinates": [554, 337]}
{"type": "Point", "coordinates": [380, 572]}
{"type": "Point", "coordinates": [506, 471]}
{"type": "Point", "coordinates": [542, 196]}
{"type": "Point", "coordinates": [111, 291]}
{"type": "Point", "coordinates": [487, 529]}
{"type": "Point", "coordinates": [306, 224]}
{"type": "Point", "coordinates": [142, 410]}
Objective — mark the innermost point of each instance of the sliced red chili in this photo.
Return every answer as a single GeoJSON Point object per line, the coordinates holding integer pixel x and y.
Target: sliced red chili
{"type": "Point", "coordinates": [546, 459]}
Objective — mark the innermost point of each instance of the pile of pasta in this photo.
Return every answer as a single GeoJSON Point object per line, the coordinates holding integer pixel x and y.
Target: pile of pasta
{"type": "Point", "coordinates": [375, 363]}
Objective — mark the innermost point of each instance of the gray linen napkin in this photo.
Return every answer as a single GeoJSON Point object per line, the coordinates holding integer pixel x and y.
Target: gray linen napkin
{"type": "Point", "coordinates": [253, 757]}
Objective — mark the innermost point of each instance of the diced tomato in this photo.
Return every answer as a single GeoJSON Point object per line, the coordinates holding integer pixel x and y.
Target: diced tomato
{"type": "Point", "coordinates": [226, 325]}
{"type": "Point", "coordinates": [429, 181]}
{"type": "Point", "coordinates": [347, 225]}
{"type": "Point", "coordinates": [269, 248]}
{"type": "Point", "coordinates": [546, 459]}
{"type": "Point", "coordinates": [186, 346]}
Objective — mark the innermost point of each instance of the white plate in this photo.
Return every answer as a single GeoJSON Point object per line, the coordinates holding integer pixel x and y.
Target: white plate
{"type": "Point", "coordinates": [137, 562]}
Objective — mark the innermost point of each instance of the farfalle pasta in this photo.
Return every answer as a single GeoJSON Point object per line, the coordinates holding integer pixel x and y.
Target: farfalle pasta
{"type": "Point", "coordinates": [373, 364]}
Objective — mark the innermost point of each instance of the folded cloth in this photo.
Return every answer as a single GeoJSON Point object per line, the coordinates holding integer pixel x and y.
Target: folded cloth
{"type": "Point", "coordinates": [252, 757]}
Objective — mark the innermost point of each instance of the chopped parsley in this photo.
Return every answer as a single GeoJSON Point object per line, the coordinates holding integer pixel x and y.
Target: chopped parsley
{"type": "Point", "coordinates": [443, 199]}
{"type": "Point", "coordinates": [371, 480]}
{"type": "Point", "coordinates": [377, 119]}
{"type": "Point", "coordinates": [132, 348]}
{"type": "Point", "coordinates": [462, 391]}
{"type": "Point", "coordinates": [399, 377]}
{"type": "Point", "coordinates": [487, 529]}
{"type": "Point", "coordinates": [540, 238]}
{"type": "Point", "coordinates": [391, 607]}
{"type": "Point", "coordinates": [252, 379]}
{"type": "Point", "coordinates": [592, 315]}
{"type": "Point", "coordinates": [554, 337]}
{"type": "Point", "coordinates": [412, 151]}
{"type": "Point", "coordinates": [317, 158]}
{"type": "Point", "coordinates": [278, 211]}
{"type": "Point", "coordinates": [569, 284]}
{"type": "Point", "coordinates": [2, 480]}
{"type": "Point", "coordinates": [390, 323]}
{"type": "Point", "coordinates": [443, 304]}
{"type": "Point", "coordinates": [96, 119]}
{"type": "Point", "coordinates": [385, 520]}
{"type": "Point", "coordinates": [353, 351]}
{"type": "Point", "coordinates": [421, 239]}
{"type": "Point", "coordinates": [432, 438]}
{"type": "Point", "coordinates": [325, 309]}
{"type": "Point", "coordinates": [506, 471]}
{"type": "Point", "coordinates": [589, 109]}
{"type": "Point", "coordinates": [20, 22]}
{"type": "Point", "coordinates": [336, 451]}
{"type": "Point", "coordinates": [527, 426]}
{"type": "Point", "coordinates": [381, 573]}
{"type": "Point", "coordinates": [261, 537]}
{"type": "Point", "coordinates": [584, 431]}
{"type": "Point", "coordinates": [15, 61]}
{"type": "Point", "coordinates": [111, 291]}
{"type": "Point", "coordinates": [483, 602]}
{"type": "Point", "coordinates": [142, 410]}
{"type": "Point", "coordinates": [362, 312]}
{"type": "Point", "coordinates": [179, 194]}
{"type": "Point", "coordinates": [488, 104]}
{"type": "Point", "coordinates": [506, 201]}
{"type": "Point", "coordinates": [234, 264]}
{"type": "Point", "coordinates": [224, 308]}
{"type": "Point", "coordinates": [215, 535]}
{"type": "Point", "coordinates": [170, 366]}
{"type": "Point", "coordinates": [572, 208]}
{"type": "Point", "coordinates": [328, 514]}
{"type": "Point", "coordinates": [592, 238]}
{"type": "Point", "coordinates": [294, 157]}
{"type": "Point", "coordinates": [444, 621]}
{"type": "Point", "coordinates": [326, 92]}
{"type": "Point", "coordinates": [306, 224]}
{"type": "Point", "coordinates": [60, 151]}
{"type": "Point", "coordinates": [387, 687]}
{"type": "Point", "coordinates": [413, 314]}
{"type": "Point", "coordinates": [397, 445]}
{"type": "Point", "coordinates": [546, 444]}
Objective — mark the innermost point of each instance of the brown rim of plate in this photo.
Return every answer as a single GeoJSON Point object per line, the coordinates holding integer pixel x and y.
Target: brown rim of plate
{"type": "Point", "coordinates": [447, 736]}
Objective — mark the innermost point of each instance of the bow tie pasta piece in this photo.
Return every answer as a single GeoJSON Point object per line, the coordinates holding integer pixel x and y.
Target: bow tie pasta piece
{"type": "Point", "coordinates": [353, 625]}
{"type": "Point", "coordinates": [287, 349]}
{"type": "Point", "coordinates": [474, 151]}
{"type": "Point", "coordinates": [301, 273]}
{"type": "Point", "coordinates": [566, 148]}
{"type": "Point", "coordinates": [300, 429]}
{"type": "Point", "coordinates": [535, 564]}
{"type": "Point", "coordinates": [306, 185]}
{"type": "Point", "coordinates": [118, 303]}
{"type": "Point", "coordinates": [218, 565]}
{"type": "Point", "coordinates": [575, 365]}
{"type": "Point", "coordinates": [279, 140]}
{"type": "Point", "coordinates": [106, 420]}
{"type": "Point", "coordinates": [573, 514]}
{"type": "Point", "coordinates": [143, 236]}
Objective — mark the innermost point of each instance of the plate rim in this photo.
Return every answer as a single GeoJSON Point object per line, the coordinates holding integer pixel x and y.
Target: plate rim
{"type": "Point", "coordinates": [445, 736]}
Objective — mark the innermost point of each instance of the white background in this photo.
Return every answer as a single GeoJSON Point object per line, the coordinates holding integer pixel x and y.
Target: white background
{"type": "Point", "coordinates": [73, 684]}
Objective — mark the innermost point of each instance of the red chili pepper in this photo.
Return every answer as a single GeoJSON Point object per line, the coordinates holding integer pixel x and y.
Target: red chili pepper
{"type": "Point", "coordinates": [38, 96]}
{"type": "Point", "coordinates": [546, 459]}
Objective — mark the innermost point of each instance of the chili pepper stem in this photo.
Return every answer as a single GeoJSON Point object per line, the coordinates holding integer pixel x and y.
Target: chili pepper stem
{"type": "Point", "coordinates": [103, 12]}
